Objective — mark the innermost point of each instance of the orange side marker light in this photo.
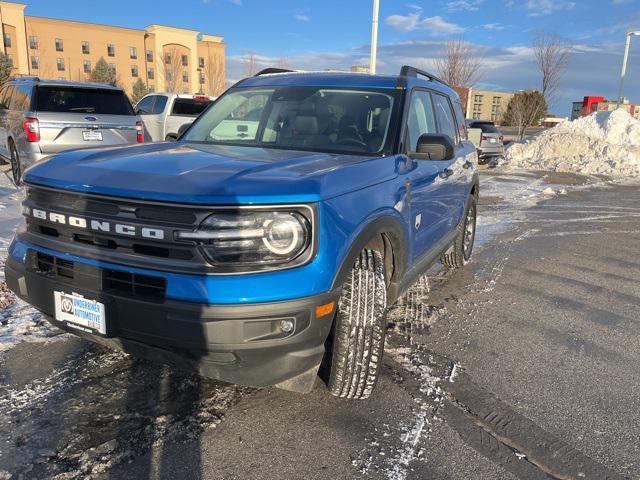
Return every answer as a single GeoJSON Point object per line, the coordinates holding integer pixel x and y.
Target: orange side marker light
{"type": "Point", "coordinates": [324, 310]}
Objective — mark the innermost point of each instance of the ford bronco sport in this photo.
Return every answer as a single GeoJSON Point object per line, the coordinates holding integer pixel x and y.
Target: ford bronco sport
{"type": "Point", "coordinates": [262, 247]}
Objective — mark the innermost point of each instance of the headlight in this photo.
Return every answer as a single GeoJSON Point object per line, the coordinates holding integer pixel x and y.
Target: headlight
{"type": "Point", "coordinates": [253, 240]}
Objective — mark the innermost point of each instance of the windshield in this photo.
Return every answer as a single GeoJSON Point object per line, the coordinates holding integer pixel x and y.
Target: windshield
{"type": "Point", "coordinates": [82, 100]}
{"type": "Point", "coordinates": [300, 118]}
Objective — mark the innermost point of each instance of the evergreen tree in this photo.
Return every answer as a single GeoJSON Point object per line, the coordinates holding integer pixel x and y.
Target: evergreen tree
{"type": "Point", "coordinates": [103, 73]}
{"type": "Point", "coordinates": [6, 68]}
{"type": "Point", "coordinates": [139, 90]}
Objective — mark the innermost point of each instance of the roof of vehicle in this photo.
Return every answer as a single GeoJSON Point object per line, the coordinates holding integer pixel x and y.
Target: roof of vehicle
{"type": "Point", "coordinates": [181, 95]}
{"type": "Point", "coordinates": [346, 79]}
{"type": "Point", "coordinates": [63, 83]}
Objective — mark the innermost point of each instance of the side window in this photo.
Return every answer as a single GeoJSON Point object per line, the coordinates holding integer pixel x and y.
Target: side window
{"type": "Point", "coordinates": [7, 96]}
{"type": "Point", "coordinates": [462, 126]}
{"type": "Point", "coordinates": [420, 120]}
{"type": "Point", "coordinates": [161, 102]}
{"type": "Point", "coordinates": [446, 119]}
{"type": "Point", "coordinates": [145, 106]}
{"type": "Point", "coordinates": [22, 98]}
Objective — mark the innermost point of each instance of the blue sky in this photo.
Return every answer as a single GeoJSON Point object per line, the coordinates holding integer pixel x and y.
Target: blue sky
{"type": "Point", "coordinates": [333, 33]}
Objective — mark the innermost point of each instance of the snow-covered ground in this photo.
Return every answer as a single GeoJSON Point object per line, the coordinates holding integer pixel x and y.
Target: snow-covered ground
{"type": "Point", "coordinates": [606, 143]}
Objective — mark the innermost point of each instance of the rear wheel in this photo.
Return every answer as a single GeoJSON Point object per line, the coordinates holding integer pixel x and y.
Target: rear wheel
{"type": "Point", "coordinates": [16, 167]}
{"type": "Point", "coordinates": [460, 252]}
{"type": "Point", "coordinates": [359, 328]}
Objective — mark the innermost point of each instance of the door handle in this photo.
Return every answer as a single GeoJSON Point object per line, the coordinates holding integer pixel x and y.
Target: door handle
{"type": "Point", "coordinates": [446, 173]}
{"type": "Point", "coordinates": [467, 164]}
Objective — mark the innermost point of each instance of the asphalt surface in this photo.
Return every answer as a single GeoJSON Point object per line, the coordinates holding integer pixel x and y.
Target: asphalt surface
{"type": "Point", "coordinates": [522, 365]}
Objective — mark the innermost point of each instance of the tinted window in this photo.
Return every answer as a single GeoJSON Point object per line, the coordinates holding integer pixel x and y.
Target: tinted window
{"type": "Point", "coordinates": [189, 107]}
{"type": "Point", "coordinates": [485, 127]}
{"type": "Point", "coordinates": [421, 119]}
{"type": "Point", "coordinates": [161, 102]}
{"type": "Point", "coordinates": [82, 100]}
{"type": "Point", "coordinates": [145, 106]}
{"type": "Point", "coordinates": [22, 98]}
{"type": "Point", "coordinates": [446, 119]}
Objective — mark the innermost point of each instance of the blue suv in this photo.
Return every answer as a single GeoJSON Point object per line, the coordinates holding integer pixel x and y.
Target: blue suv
{"type": "Point", "coordinates": [264, 246]}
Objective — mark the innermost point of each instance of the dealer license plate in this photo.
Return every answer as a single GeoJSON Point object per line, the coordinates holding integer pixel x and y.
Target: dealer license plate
{"type": "Point", "coordinates": [80, 313]}
{"type": "Point", "coordinates": [92, 135]}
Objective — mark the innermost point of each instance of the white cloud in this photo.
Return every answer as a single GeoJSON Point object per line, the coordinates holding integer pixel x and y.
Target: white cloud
{"type": "Point", "coordinates": [439, 26]}
{"type": "Point", "coordinates": [469, 5]}
{"type": "Point", "coordinates": [404, 23]}
{"type": "Point", "coordinates": [236, 2]}
{"type": "Point", "coordinates": [493, 26]}
{"type": "Point", "coordinates": [434, 25]}
{"type": "Point", "coordinates": [302, 17]}
{"type": "Point", "coordinates": [546, 7]}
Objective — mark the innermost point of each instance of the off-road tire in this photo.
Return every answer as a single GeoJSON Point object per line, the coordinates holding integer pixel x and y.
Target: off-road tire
{"type": "Point", "coordinates": [358, 330]}
{"type": "Point", "coordinates": [16, 166]}
{"type": "Point", "coordinates": [458, 255]}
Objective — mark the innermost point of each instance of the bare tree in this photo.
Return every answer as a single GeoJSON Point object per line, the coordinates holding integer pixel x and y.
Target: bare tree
{"type": "Point", "coordinates": [460, 66]}
{"type": "Point", "coordinates": [214, 74]}
{"type": "Point", "coordinates": [250, 61]}
{"type": "Point", "coordinates": [552, 58]}
{"type": "Point", "coordinates": [283, 62]}
{"type": "Point", "coordinates": [525, 109]}
{"type": "Point", "coordinates": [171, 66]}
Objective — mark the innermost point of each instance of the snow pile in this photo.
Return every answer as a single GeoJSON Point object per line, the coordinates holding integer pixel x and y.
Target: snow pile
{"type": "Point", "coordinates": [606, 143]}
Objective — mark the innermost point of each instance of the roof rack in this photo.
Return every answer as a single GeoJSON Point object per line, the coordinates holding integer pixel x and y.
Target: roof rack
{"type": "Point", "coordinates": [24, 77]}
{"type": "Point", "coordinates": [270, 70]}
{"type": "Point", "coordinates": [408, 71]}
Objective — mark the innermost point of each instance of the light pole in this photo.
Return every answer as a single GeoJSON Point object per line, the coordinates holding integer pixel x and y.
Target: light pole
{"type": "Point", "coordinates": [374, 37]}
{"type": "Point", "coordinates": [624, 62]}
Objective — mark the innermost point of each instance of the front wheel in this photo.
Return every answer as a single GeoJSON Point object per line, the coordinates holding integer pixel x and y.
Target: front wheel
{"type": "Point", "coordinates": [16, 167]}
{"type": "Point", "coordinates": [459, 253]}
{"type": "Point", "coordinates": [359, 328]}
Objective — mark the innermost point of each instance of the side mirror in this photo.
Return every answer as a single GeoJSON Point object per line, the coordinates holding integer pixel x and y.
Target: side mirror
{"type": "Point", "coordinates": [183, 128]}
{"type": "Point", "coordinates": [434, 146]}
{"type": "Point", "coordinates": [172, 137]}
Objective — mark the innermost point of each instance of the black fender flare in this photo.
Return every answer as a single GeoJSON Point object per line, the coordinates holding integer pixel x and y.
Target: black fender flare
{"type": "Point", "coordinates": [392, 227]}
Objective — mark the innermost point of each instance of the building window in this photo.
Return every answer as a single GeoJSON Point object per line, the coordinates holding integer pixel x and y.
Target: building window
{"type": "Point", "coordinates": [85, 48]}
{"type": "Point", "coordinates": [112, 67]}
{"type": "Point", "coordinates": [35, 63]}
{"type": "Point", "coordinates": [151, 88]}
{"type": "Point", "coordinates": [134, 70]}
{"type": "Point", "coordinates": [33, 43]}
{"type": "Point", "coordinates": [133, 52]}
{"type": "Point", "coordinates": [86, 65]}
{"type": "Point", "coordinates": [149, 56]}
{"type": "Point", "coordinates": [10, 58]}
{"type": "Point", "coordinates": [496, 100]}
{"type": "Point", "coordinates": [185, 60]}
{"type": "Point", "coordinates": [477, 107]}
{"type": "Point", "coordinates": [201, 62]}
{"type": "Point", "coordinates": [201, 78]}
{"type": "Point", "coordinates": [185, 77]}
{"type": "Point", "coordinates": [59, 45]}
{"type": "Point", "coordinates": [476, 116]}
{"type": "Point", "coordinates": [167, 58]}
{"type": "Point", "coordinates": [60, 64]}
{"type": "Point", "coordinates": [150, 73]}
{"type": "Point", "coordinates": [168, 76]}
{"type": "Point", "coordinates": [7, 40]}
{"type": "Point", "coordinates": [111, 49]}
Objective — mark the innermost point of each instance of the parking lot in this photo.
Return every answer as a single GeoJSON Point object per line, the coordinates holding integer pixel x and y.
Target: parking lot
{"type": "Point", "coordinates": [521, 366]}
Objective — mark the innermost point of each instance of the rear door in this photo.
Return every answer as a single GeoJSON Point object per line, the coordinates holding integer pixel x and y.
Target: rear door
{"type": "Point", "coordinates": [183, 112]}
{"type": "Point", "coordinates": [79, 117]}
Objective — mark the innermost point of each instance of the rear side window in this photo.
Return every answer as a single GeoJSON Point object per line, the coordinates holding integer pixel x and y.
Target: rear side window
{"type": "Point", "coordinates": [189, 107]}
{"type": "Point", "coordinates": [145, 106]}
{"type": "Point", "coordinates": [446, 119]}
{"type": "Point", "coordinates": [82, 100]}
{"type": "Point", "coordinates": [5, 99]}
{"type": "Point", "coordinates": [22, 98]}
{"type": "Point", "coordinates": [159, 106]}
{"type": "Point", "coordinates": [420, 120]}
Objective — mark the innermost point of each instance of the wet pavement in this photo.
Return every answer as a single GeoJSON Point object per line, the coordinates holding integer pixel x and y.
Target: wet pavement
{"type": "Point", "coordinates": [522, 365]}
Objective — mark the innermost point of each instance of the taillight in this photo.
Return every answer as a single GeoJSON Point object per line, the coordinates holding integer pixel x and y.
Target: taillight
{"type": "Point", "coordinates": [484, 137]}
{"type": "Point", "coordinates": [31, 128]}
{"type": "Point", "coordinates": [140, 131]}
{"type": "Point", "coordinates": [501, 138]}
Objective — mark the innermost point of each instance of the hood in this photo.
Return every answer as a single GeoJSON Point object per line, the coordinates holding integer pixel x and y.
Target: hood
{"type": "Point", "coordinates": [210, 174]}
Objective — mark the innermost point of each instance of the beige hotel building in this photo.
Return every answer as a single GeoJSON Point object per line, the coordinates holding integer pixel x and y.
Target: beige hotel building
{"type": "Point", "coordinates": [164, 58]}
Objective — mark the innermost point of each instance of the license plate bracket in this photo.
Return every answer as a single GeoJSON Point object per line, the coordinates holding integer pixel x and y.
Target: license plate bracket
{"type": "Point", "coordinates": [92, 135]}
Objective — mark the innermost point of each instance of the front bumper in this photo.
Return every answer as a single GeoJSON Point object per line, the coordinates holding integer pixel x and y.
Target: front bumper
{"type": "Point", "coordinates": [240, 344]}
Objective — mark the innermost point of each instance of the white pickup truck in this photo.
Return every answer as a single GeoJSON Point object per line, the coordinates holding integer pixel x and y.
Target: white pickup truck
{"type": "Point", "coordinates": [164, 113]}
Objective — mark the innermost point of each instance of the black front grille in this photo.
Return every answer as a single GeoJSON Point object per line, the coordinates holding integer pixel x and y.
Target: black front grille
{"type": "Point", "coordinates": [99, 280]}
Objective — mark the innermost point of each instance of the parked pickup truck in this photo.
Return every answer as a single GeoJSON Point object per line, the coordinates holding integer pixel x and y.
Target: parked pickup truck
{"type": "Point", "coordinates": [165, 113]}
{"type": "Point", "coordinates": [263, 255]}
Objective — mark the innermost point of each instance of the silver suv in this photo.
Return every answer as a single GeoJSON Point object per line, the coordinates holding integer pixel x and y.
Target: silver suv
{"type": "Point", "coordinates": [42, 117]}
